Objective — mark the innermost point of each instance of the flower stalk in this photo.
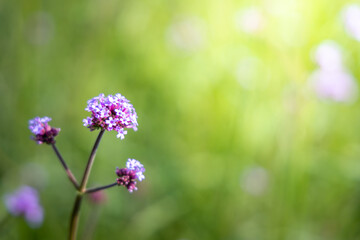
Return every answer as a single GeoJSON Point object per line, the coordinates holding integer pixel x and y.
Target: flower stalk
{"type": "Point", "coordinates": [108, 113]}
{"type": "Point", "coordinates": [68, 171]}
{"type": "Point", "coordinates": [75, 216]}
{"type": "Point", "coordinates": [95, 189]}
{"type": "Point", "coordinates": [82, 189]}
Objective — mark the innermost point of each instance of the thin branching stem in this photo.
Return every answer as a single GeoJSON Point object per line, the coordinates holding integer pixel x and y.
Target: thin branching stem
{"type": "Point", "coordinates": [92, 190]}
{"type": "Point", "coordinates": [75, 217]}
{"type": "Point", "coordinates": [90, 163]}
{"type": "Point", "coordinates": [68, 171]}
{"type": "Point", "coordinates": [76, 209]}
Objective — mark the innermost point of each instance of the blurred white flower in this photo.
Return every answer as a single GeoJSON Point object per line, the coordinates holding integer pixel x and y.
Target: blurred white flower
{"type": "Point", "coordinates": [187, 33]}
{"type": "Point", "coordinates": [255, 180]}
{"type": "Point", "coordinates": [328, 55]}
{"type": "Point", "coordinates": [40, 28]}
{"type": "Point", "coordinates": [250, 20]}
{"type": "Point", "coordinates": [338, 86]}
{"type": "Point", "coordinates": [331, 80]}
{"type": "Point", "coordinates": [351, 18]}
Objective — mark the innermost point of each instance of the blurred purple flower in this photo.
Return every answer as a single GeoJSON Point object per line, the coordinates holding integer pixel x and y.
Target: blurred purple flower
{"type": "Point", "coordinates": [98, 197]}
{"type": "Point", "coordinates": [338, 86]}
{"type": "Point", "coordinates": [127, 176]}
{"type": "Point", "coordinates": [351, 18]}
{"type": "Point", "coordinates": [111, 113]}
{"type": "Point", "coordinates": [43, 132]}
{"type": "Point", "coordinates": [328, 55]}
{"type": "Point", "coordinates": [25, 202]}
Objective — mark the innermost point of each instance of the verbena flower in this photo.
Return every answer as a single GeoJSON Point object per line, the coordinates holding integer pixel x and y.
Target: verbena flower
{"type": "Point", "coordinates": [25, 202]}
{"type": "Point", "coordinates": [43, 132]}
{"type": "Point", "coordinates": [128, 176]}
{"type": "Point", "coordinates": [111, 113]}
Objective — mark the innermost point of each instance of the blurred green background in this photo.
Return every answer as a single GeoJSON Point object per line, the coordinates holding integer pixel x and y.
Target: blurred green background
{"type": "Point", "coordinates": [235, 143]}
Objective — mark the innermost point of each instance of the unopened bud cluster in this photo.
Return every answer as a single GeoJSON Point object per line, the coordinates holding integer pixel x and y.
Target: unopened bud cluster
{"type": "Point", "coordinates": [43, 132]}
{"type": "Point", "coordinates": [127, 176]}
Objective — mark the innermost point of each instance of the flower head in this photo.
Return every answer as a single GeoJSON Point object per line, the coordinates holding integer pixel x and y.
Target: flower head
{"type": "Point", "coordinates": [127, 176]}
{"type": "Point", "coordinates": [25, 202]}
{"type": "Point", "coordinates": [43, 132]}
{"type": "Point", "coordinates": [111, 113]}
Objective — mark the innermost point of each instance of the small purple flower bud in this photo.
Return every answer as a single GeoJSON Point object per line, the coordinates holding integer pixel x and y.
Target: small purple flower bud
{"type": "Point", "coordinates": [132, 186]}
{"type": "Point", "coordinates": [111, 113]}
{"type": "Point", "coordinates": [43, 132]}
{"type": "Point", "coordinates": [25, 202]}
{"type": "Point", "coordinates": [127, 176]}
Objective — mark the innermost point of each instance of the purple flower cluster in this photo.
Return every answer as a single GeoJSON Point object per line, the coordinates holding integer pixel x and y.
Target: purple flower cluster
{"type": "Point", "coordinates": [25, 202]}
{"type": "Point", "coordinates": [111, 113]}
{"type": "Point", "coordinates": [43, 132]}
{"type": "Point", "coordinates": [127, 176]}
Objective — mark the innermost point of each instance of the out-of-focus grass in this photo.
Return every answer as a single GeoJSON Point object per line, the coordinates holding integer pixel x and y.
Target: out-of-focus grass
{"type": "Point", "coordinates": [204, 121]}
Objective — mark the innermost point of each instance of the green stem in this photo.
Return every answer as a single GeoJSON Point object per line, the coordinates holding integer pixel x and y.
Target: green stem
{"type": "Point", "coordinates": [90, 163]}
{"type": "Point", "coordinates": [82, 189]}
{"type": "Point", "coordinates": [75, 217]}
{"type": "Point", "coordinates": [68, 171]}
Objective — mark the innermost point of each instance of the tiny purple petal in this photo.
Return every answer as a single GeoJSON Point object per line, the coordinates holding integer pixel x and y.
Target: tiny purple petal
{"type": "Point", "coordinates": [38, 125]}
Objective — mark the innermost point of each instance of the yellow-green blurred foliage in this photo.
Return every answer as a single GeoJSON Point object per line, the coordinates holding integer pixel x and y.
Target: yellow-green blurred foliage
{"type": "Point", "coordinates": [235, 142]}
